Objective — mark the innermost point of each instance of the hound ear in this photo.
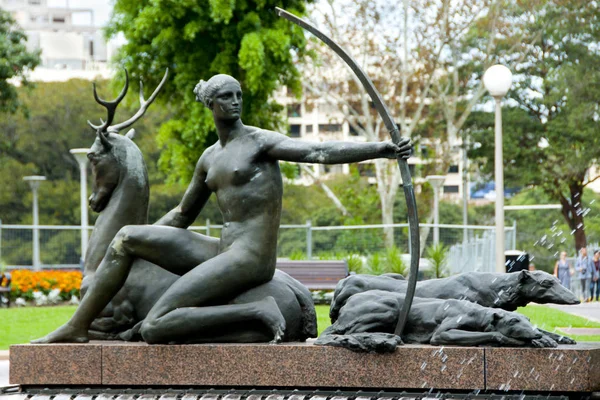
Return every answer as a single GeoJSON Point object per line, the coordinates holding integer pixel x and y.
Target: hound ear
{"type": "Point", "coordinates": [524, 275]}
{"type": "Point", "coordinates": [130, 134]}
{"type": "Point", "coordinates": [492, 318]}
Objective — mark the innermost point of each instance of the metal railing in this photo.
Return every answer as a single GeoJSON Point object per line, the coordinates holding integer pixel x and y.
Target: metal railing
{"type": "Point", "coordinates": [60, 245]}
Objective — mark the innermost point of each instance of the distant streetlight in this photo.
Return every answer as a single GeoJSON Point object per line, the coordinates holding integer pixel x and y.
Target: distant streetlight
{"type": "Point", "coordinates": [497, 80]}
{"type": "Point", "coordinates": [34, 183]}
{"type": "Point", "coordinates": [437, 181]}
{"type": "Point", "coordinates": [81, 157]}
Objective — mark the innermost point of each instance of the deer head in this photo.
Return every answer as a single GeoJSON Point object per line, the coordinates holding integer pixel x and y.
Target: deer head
{"type": "Point", "coordinates": [108, 155]}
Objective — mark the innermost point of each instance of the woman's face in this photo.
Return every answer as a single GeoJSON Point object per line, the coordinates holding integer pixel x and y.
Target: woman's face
{"type": "Point", "coordinates": [563, 255]}
{"type": "Point", "coordinates": [227, 102]}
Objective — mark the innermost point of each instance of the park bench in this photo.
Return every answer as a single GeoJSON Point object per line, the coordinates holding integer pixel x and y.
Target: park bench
{"type": "Point", "coordinates": [315, 274]}
{"type": "Point", "coordinates": [5, 280]}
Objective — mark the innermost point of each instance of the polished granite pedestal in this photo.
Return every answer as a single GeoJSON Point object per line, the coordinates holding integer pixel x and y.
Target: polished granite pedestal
{"type": "Point", "coordinates": [303, 365]}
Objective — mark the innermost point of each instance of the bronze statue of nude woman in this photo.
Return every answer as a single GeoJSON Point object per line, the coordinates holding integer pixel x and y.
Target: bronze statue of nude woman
{"type": "Point", "coordinates": [242, 170]}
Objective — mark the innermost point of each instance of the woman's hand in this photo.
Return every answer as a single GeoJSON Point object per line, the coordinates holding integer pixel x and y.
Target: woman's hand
{"type": "Point", "coordinates": [401, 150]}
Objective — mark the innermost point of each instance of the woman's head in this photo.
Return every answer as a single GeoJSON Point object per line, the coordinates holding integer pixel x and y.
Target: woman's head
{"type": "Point", "coordinates": [563, 255]}
{"type": "Point", "coordinates": [205, 90]}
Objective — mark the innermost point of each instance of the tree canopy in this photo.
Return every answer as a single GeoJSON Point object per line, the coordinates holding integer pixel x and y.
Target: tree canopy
{"type": "Point", "coordinates": [197, 39]}
{"type": "Point", "coordinates": [552, 142]}
{"type": "Point", "coordinates": [15, 60]}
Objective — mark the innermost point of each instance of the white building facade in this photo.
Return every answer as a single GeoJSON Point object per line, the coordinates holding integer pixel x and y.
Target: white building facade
{"type": "Point", "coordinates": [68, 49]}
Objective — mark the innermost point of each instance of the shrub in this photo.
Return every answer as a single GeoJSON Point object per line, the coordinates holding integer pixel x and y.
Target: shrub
{"type": "Point", "coordinates": [437, 254]}
{"type": "Point", "coordinates": [26, 282]}
{"type": "Point", "coordinates": [394, 261]}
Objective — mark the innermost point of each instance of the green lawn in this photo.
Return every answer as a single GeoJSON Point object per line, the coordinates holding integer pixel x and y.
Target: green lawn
{"type": "Point", "coordinates": [20, 325]}
{"type": "Point", "coordinates": [323, 320]}
{"type": "Point", "coordinates": [550, 319]}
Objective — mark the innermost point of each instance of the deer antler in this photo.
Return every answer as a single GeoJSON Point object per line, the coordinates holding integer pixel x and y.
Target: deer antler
{"type": "Point", "coordinates": [144, 104]}
{"type": "Point", "coordinates": [111, 106]}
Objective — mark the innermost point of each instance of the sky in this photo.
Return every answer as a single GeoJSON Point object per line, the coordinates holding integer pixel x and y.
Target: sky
{"type": "Point", "coordinates": [101, 8]}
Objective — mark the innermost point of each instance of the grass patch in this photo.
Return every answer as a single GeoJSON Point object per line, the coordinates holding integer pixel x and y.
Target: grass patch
{"type": "Point", "coordinates": [20, 325]}
{"type": "Point", "coordinates": [323, 320]}
{"type": "Point", "coordinates": [551, 320]}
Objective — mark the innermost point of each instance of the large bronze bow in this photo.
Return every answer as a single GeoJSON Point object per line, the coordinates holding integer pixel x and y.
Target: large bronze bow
{"type": "Point", "coordinates": [409, 193]}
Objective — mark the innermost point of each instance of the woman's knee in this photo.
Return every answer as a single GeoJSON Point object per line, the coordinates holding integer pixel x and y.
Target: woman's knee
{"type": "Point", "coordinates": [125, 240]}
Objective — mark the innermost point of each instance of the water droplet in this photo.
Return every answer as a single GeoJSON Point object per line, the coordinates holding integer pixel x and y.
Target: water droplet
{"type": "Point", "coordinates": [573, 231]}
{"type": "Point", "coordinates": [423, 366]}
{"type": "Point", "coordinates": [579, 225]}
{"type": "Point", "coordinates": [458, 320]}
{"type": "Point", "coordinates": [575, 360]}
{"type": "Point", "coordinates": [443, 368]}
{"type": "Point", "coordinates": [444, 358]}
{"type": "Point", "coordinates": [593, 201]}
{"type": "Point", "coordinates": [515, 374]}
{"type": "Point", "coordinates": [531, 372]}
{"type": "Point", "coordinates": [560, 357]}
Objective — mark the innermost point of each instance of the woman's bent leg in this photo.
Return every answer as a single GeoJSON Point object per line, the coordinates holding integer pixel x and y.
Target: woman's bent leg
{"type": "Point", "coordinates": [153, 243]}
{"type": "Point", "coordinates": [176, 316]}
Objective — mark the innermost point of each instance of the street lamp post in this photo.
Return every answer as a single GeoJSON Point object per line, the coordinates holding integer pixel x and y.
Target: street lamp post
{"type": "Point", "coordinates": [437, 181]}
{"type": "Point", "coordinates": [34, 183]}
{"type": "Point", "coordinates": [497, 80]}
{"type": "Point", "coordinates": [81, 157]}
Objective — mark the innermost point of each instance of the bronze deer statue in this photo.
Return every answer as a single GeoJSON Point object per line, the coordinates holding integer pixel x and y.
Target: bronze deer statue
{"type": "Point", "coordinates": [121, 196]}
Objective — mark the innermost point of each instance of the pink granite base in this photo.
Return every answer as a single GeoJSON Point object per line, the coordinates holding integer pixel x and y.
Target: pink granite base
{"type": "Point", "coordinates": [57, 364]}
{"type": "Point", "coordinates": [571, 368]}
{"type": "Point", "coordinates": [303, 365]}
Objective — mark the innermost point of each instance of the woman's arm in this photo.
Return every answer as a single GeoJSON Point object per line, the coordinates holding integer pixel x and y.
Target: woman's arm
{"type": "Point", "coordinates": [194, 199]}
{"type": "Point", "coordinates": [556, 269]}
{"type": "Point", "coordinates": [334, 152]}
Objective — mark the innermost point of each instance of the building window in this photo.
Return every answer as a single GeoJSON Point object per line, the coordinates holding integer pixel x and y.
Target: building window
{"type": "Point", "coordinates": [91, 48]}
{"type": "Point", "coordinates": [453, 169]}
{"type": "Point", "coordinates": [294, 110]}
{"type": "Point", "coordinates": [353, 131]}
{"type": "Point", "coordinates": [451, 189]}
{"type": "Point", "coordinates": [309, 129]}
{"type": "Point", "coordinates": [35, 2]}
{"type": "Point", "coordinates": [294, 130]}
{"type": "Point", "coordinates": [58, 20]}
{"type": "Point", "coordinates": [330, 128]}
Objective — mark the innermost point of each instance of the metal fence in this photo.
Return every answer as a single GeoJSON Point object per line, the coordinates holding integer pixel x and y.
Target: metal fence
{"type": "Point", "coordinates": [478, 253]}
{"type": "Point", "coordinates": [60, 246]}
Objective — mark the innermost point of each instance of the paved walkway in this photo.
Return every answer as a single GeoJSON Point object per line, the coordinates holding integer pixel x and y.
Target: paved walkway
{"type": "Point", "coordinates": [3, 373]}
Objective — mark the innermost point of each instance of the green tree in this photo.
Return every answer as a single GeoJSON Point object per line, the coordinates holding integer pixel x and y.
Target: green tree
{"type": "Point", "coordinates": [15, 61]}
{"type": "Point", "coordinates": [197, 39]}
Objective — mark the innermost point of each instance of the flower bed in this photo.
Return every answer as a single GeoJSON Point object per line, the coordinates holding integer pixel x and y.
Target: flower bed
{"type": "Point", "coordinates": [26, 282]}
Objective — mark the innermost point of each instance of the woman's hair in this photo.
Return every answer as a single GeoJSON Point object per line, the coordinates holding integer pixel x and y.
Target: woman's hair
{"type": "Point", "coordinates": [205, 90]}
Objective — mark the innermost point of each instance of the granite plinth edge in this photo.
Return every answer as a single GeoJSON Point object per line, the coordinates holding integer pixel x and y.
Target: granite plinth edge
{"type": "Point", "coordinates": [56, 364]}
{"type": "Point", "coordinates": [304, 365]}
